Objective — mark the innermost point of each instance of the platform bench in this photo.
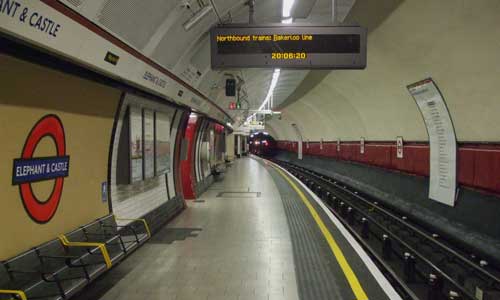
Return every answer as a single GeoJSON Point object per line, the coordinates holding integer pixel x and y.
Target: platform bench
{"type": "Point", "coordinates": [60, 268]}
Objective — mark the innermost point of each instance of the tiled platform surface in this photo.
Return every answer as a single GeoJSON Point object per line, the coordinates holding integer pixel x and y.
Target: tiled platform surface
{"type": "Point", "coordinates": [222, 248]}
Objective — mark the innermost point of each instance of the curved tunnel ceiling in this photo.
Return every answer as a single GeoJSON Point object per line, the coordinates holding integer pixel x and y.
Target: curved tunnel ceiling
{"type": "Point", "coordinates": [156, 28]}
{"type": "Point", "coordinates": [408, 41]}
{"type": "Point", "coordinates": [453, 42]}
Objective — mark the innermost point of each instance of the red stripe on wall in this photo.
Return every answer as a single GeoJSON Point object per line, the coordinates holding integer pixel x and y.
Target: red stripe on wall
{"type": "Point", "coordinates": [478, 164]}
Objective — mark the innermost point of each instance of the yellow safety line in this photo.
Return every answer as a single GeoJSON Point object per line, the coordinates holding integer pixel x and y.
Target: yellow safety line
{"type": "Point", "coordinates": [344, 265]}
{"type": "Point", "coordinates": [21, 294]}
{"type": "Point", "coordinates": [142, 220]}
{"type": "Point", "coordinates": [104, 251]}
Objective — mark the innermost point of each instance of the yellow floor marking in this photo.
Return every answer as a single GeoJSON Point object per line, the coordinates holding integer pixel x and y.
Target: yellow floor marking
{"type": "Point", "coordinates": [337, 252]}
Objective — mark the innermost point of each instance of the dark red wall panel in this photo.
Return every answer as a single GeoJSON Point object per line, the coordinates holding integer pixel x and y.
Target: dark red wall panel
{"type": "Point", "coordinates": [466, 161]}
{"type": "Point", "coordinates": [478, 165]}
{"type": "Point", "coordinates": [487, 169]}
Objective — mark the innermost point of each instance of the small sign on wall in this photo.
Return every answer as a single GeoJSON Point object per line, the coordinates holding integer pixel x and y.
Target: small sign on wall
{"type": "Point", "coordinates": [111, 58]}
{"type": "Point", "coordinates": [321, 144]}
{"type": "Point", "coordinates": [399, 147]}
{"type": "Point", "coordinates": [362, 146]}
{"type": "Point", "coordinates": [338, 145]}
{"type": "Point", "coordinates": [104, 192]}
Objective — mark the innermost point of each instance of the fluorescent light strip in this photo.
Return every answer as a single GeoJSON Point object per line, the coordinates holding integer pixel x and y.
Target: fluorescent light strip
{"type": "Point", "coordinates": [287, 8]}
{"type": "Point", "coordinates": [287, 19]}
{"type": "Point", "coordinates": [274, 82]}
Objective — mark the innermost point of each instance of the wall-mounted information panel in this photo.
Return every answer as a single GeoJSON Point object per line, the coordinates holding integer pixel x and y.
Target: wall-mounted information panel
{"type": "Point", "coordinates": [442, 140]}
{"type": "Point", "coordinates": [288, 46]}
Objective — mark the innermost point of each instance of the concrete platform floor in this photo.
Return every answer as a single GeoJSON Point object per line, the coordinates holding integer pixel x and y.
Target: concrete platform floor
{"type": "Point", "coordinates": [233, 243]}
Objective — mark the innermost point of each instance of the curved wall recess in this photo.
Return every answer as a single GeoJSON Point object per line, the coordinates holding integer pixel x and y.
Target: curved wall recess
{"type": "Point", "coordinates": [136, 199]}
{"type": "Point", "coordinates": [299, 140]}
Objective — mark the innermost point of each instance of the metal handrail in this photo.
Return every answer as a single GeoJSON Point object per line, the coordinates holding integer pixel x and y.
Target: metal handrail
{"type": "Point", "coordinates": [102, 247]}
{"type": "Point", "coordinates": [19, 294]}
{"type": "Point", "coordinates": [136, 220]}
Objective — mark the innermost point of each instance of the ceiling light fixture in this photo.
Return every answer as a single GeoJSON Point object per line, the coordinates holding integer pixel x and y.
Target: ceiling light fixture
{"type": "Point", "coordinates": [274, 82]}
{"type": "Point", "coordinates": [200, 14]}
{"type": "Point", "coordinates": [287, 8]}
{"type": "Point", "coordinates": [287, 19]}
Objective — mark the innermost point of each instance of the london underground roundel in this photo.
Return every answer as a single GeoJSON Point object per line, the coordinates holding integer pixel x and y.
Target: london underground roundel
{"type": "Point", "coordinates": [28, 169]}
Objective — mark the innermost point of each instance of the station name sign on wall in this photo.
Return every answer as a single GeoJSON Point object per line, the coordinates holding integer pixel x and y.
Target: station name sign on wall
{"type": "Point", "coordinates": [28, 169]}
{"type": "Point", "coordinates": [29, 17]}
{"type": "Point", "coordinates": [288, 46]}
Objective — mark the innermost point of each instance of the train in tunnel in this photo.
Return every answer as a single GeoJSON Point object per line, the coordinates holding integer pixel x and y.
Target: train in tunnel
{"type": "Point", "coordinates": [261, 149]}
{"type": "Point", "coordinates": [262, 144]}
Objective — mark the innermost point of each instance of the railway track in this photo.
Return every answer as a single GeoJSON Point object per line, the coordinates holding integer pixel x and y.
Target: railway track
{"type": "Point", "coordinates": [419, 263]}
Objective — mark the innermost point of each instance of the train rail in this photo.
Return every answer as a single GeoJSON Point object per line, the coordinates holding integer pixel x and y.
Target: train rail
{"type": "Point", "coordinates": [420, 263]}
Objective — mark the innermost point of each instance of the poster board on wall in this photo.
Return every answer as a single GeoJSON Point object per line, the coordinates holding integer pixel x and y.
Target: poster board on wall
{"type": "Point", "coordinates": [136, 144]}
{"type": "Point", "coordinates": [149, 143]}
{"type": "Point", "coordinates": [442, 140]}
{"type": "Point", "coordinates": [162, 149]}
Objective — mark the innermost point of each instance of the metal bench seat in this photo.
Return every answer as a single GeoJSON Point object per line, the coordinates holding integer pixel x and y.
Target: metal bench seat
{"type": "Point", "coordinates": [43, 273]}
{"type": "Point", "coordinates": [60, 268]}
{"type": "Point", "coordinates": [131, 235]}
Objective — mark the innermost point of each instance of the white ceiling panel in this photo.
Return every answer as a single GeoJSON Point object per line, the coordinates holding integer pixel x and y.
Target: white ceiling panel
{"type": "Point", "coordinates": [135, 21]}
{"type": "Point", "coordinates": [155, 27]}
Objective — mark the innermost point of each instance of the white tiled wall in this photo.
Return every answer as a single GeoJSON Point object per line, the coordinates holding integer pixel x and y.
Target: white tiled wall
{"type": "Point", "coordinates": [136, 200]}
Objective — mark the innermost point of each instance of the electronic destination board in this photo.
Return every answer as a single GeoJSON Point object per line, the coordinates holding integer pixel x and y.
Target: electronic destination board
{"type": "Point", "coordinates": [288, 46]}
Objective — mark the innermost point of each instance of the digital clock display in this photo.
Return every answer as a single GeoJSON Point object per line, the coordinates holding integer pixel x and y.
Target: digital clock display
{"type": "Point", "coordinates": [306, 47]}
{"type": "Point", "coordinates": [288, 55]}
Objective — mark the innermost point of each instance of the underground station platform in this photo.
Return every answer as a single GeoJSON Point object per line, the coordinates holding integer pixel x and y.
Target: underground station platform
{"type": "Point", "coordinates": [255, 149]}
{"type": "Point", "coordinates": [257, 234]}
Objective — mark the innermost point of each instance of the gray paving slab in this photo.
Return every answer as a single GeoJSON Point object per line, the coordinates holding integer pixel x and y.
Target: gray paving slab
{"type": "Point", "coordinates": [229, 247]}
